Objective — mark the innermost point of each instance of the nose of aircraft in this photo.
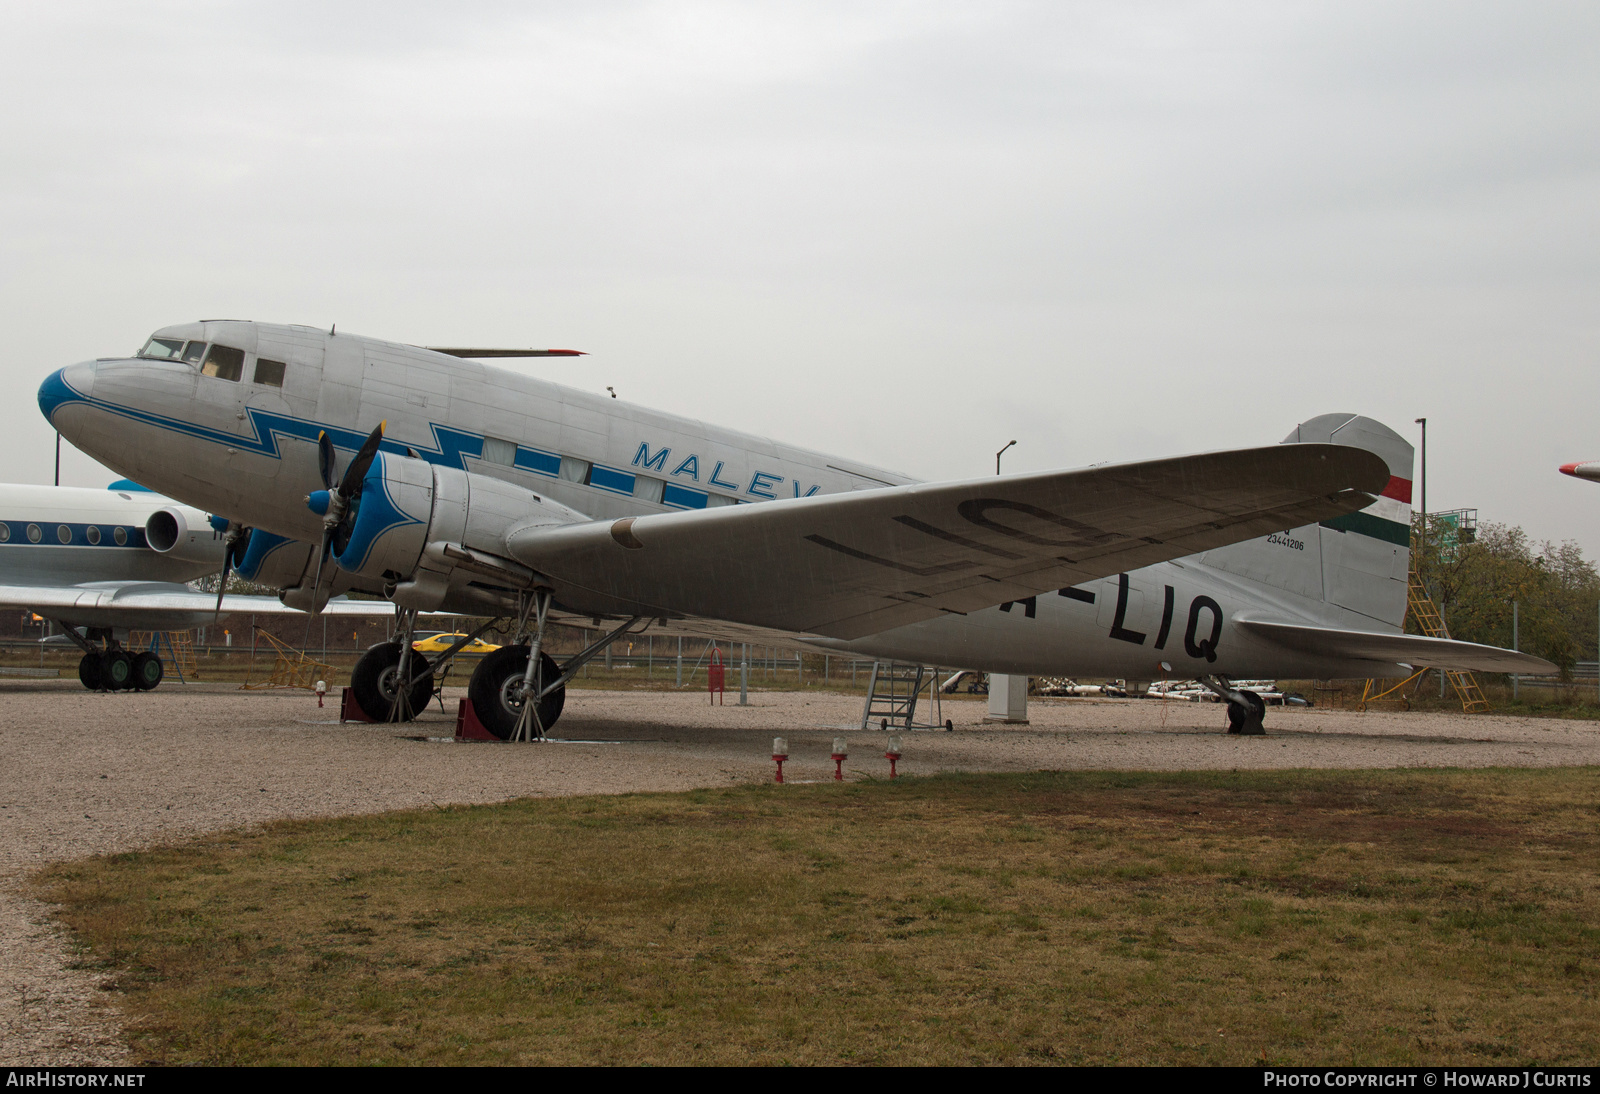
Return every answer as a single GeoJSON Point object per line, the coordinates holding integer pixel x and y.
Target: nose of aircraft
{"type": "Point", "coordinates": [71, 384]}
{"type": "Point", "coordinates": [1590, 471]}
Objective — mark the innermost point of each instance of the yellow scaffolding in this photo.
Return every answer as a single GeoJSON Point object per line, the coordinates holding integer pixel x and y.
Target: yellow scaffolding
{"type": "Point", "coordinates": [179, 650]}
{"type": "Point", "coordinates": [290, 669]}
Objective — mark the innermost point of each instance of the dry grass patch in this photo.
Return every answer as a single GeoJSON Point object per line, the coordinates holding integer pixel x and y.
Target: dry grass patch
{"type": "Point", "coordinates": [1370, 917]}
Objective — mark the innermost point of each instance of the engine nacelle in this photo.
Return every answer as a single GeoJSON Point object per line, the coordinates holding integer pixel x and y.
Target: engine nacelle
{"type": "Point", "coordinates": [184, 534]}
{"type": "Point", "coordinates": [273, 560]}
{"type": "Point", "coordinates": [408, 510]}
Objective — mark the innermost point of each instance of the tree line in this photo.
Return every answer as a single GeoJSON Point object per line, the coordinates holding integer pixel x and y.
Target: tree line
{"type": "Point", "coordinates": [1555, 589]}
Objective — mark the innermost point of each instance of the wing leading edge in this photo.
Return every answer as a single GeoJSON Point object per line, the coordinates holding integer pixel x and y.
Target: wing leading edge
{"type": "Point", "coordinates": [157, 603]}
{"type": "Point", "coordinates": [849, 565]}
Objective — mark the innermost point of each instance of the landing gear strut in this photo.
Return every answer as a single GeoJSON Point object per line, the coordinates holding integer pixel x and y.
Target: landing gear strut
{"type": "Point", "coordinates": [1247, 711]}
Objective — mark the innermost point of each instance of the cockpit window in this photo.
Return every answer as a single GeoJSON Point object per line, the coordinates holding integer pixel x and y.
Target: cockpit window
{"type": "Point", "coordinates": [223, 362]}
{"type": "Point", "coordinates": [194, 352]}
{"type": "Point", "coordinates": [163, 349]}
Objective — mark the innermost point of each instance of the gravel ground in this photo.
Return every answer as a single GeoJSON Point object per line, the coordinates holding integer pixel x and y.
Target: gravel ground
{"type": "Point", "coordinates": [95, 773]}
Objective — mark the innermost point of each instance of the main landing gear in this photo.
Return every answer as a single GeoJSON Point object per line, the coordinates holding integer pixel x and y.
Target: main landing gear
{"type": "Point", "coordinates": [112, 668]}
{"type": "Point", "coordinates": [1247, 711]}
{"type": "Point", "coordinates": [507, 679]}
{"type": "Point", "coordinates": [393, 682]}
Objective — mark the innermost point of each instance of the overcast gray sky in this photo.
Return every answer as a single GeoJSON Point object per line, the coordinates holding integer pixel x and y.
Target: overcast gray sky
{"type": "Point", "coordinates": [903, 232]}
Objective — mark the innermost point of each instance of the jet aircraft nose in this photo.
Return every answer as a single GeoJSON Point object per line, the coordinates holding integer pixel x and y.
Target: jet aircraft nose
{"type": "Point", "coordinates": [75, 383]}
{"type": "Point", "coordinates": [1590, 470]}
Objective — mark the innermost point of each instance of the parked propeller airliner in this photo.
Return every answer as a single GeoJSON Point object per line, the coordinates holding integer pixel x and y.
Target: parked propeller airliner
{"type": "Point", "coordinates": [474, 490]}
{"type": "Point", "coordinates": [100, 562]}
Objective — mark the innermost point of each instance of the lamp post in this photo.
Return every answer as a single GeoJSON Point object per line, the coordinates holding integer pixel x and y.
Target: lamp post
{"type": "Point", "coordinates": [1423, 422]}
{"type": "Point", "coordinates": [1000, 453]}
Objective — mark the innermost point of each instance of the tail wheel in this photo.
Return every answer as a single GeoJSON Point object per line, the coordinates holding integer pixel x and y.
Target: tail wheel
{"type": "Point", "coordinates": [116, 669]}
{"type": "Point", "coordinates": [496, 690]}
{"type": "Point", "coordinates": [147, 671]}
{"type": "Point", "coordinates": [1247, 719]}
{"type": "Point", "coordinates": [375, 684]}
{"type": "Point", "coordinates": [89, 671]}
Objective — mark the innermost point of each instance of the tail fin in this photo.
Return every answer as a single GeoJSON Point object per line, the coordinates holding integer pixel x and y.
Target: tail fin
{"type": "Point", "coordinates": [1358, 563]}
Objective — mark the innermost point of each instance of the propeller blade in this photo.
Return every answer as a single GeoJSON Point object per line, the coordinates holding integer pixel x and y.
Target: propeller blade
{"type": "Point", "coordinates": [222, 586]}
{"type": "Point", "coordinates": [325, 458]}
{"type": "Point", "coordinates": [358, 466]}
{"type": "Point", "coordinates": [322, 553]}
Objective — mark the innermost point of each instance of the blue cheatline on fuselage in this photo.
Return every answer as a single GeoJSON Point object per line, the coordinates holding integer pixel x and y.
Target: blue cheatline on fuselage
{"type": "Point", "coordinates": [451, 446]}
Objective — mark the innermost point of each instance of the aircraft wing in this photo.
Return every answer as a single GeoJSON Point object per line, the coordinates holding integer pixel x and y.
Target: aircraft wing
{"type": "Point", "coordinates": [848, 565]}
{"type": "Point", "coordinates": [1416, 650]}
{"type": "Point", "coordinates": [156, 604]}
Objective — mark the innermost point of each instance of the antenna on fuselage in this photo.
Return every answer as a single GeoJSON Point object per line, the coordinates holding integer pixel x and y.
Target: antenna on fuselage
{"type": "Point", "coordinates": [468, 351]}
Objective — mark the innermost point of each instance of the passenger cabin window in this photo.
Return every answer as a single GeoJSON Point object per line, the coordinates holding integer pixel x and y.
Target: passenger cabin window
{"type": "Point", "coordinates": [269, 372]}
{"type": "Point", "coordinates": [224, 362]}
{"type": "Point", "coordinates": [497, 451]}
{"type": "Point", "coordinates": [163, 349]}
{"type": "Point", "coordinates": [194, 352]}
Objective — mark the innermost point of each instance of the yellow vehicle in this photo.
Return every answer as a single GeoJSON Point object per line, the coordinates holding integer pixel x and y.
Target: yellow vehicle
{"type": "Point", "coordinates": [438, 643]}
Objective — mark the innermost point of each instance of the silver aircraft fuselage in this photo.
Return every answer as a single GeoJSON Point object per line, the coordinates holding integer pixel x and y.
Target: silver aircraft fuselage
{"type": "Point", "coordinates": [241, 441]}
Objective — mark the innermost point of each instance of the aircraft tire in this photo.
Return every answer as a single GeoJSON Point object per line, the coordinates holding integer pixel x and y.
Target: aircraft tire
{"type": "Point", "coordinates": [148, 671]}
{"type": "Point", "coordinates": [374, 685]}
{"type": "Point", "coordinates": [116, 669]}
{"type": "Point", "coordinates": [491, 685]}
{"type": "Point", "coordinates": [89, 671]}
{"type": "Point", "coordinates": [1247, 720]}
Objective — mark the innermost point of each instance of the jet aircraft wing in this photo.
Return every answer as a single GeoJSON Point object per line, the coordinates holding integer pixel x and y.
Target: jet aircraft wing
{"type": "Point", "coordinates": [848, 565]}
{"type": "Point", "coordinates": [122, 603]}
{"type": "Point", "coordinates": [1418, 651]}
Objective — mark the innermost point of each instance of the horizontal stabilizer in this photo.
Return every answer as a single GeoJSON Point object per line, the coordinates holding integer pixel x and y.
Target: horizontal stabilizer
{"type": "Point", "coordinates": [852, 564]}
{"type": "Point", "coordinates": [1416, 650]}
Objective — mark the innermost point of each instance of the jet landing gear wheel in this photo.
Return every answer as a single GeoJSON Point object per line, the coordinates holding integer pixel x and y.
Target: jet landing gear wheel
{"type": "Point", "coordinates": [496, 690]}
{"type": "Point", "coordinates": [1248, 721]}
{"type": "Point", "coordinates": [89, 671]}
{"type": "Point", "coordinates": [375, 683]}
{"type": "Point", "coordinates": [147, 671]}
{"type": "Point", "coordinates": [116, 670]}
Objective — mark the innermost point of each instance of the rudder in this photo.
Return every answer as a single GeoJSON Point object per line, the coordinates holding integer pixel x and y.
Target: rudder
{"type": "Point", "coordinates": [1359, 562]}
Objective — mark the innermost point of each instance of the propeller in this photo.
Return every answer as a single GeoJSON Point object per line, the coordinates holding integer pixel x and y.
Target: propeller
{"type": "Point", "coordinates": [234, 539]}
{"type": "Point", "coordinates": [331, 503]}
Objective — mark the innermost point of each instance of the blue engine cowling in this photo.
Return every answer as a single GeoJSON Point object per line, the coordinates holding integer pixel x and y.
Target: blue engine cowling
{"type": "Point", "coordinates": [408, 511]}
{"type": "Point", "coordinates": [387, 524]}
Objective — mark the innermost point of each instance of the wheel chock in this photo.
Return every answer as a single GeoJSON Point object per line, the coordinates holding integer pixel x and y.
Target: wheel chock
{"type": "Point", "coordinates": [468, 728]}
{"type": "Point", "coordinates": [350, 710]}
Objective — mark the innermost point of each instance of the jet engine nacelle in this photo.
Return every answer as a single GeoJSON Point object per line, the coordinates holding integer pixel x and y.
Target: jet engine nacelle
{"type": "Point", "coordinates": [409, 510]}
{"type": "Point", "coordinates": [184, 534]}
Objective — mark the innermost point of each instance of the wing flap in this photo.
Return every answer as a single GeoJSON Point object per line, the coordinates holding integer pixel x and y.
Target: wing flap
{"type": "Point", "coordinates": [1416, 650]}
{"type": "Point", "coordinates": [848, 565]}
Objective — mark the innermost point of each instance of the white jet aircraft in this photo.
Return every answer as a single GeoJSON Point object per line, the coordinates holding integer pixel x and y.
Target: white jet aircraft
{"type": "Point", "coordinates": [478, 491]}
{"type": "Point", "coordinates": [107, 561]}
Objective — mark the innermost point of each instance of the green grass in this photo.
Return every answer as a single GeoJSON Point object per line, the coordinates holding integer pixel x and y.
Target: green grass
{"type": "Point", "coordinates": [1352, 917]}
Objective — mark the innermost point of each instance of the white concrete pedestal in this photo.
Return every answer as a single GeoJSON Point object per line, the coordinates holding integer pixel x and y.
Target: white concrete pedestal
{"type": "Point", "coordinates": [1008, 700]}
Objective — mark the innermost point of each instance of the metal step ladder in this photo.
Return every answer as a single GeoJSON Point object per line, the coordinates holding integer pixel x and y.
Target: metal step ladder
{"type": "Point", "coordinates": [892, 694]}
{"type": "Point", "coordinates": [1422, 609]}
